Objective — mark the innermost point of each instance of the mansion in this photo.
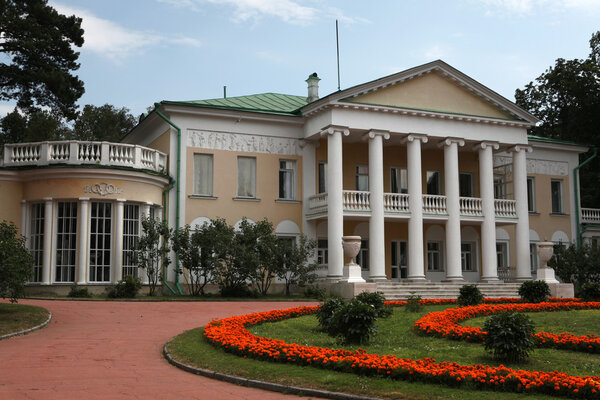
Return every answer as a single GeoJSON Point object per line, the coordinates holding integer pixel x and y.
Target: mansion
{"type": "Point", "coordinates": [433, 170]}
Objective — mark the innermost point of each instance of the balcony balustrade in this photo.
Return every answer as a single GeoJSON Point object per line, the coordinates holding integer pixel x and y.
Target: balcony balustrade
{"type": "Point", "coordinates": [590, 215]}
{"type": "Point", "coordinates": [470, 206]}
{"type": "Point", "coordinates": [505, 208]}
{"type": "Point", "coordinates": [79, 152]}
{"type": "Point", "coordinates": [434, 204]}
{"type": "Point", "coordinates": [395, 202]}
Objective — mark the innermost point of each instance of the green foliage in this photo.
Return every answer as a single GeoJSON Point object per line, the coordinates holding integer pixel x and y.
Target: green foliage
{"type": "Point", "coordinates": [104, 123]}
{"type": "Point", "coordinates": [470, 295]}
{"type": "Point", "coordinates": [152, 250]}
{"type": "Point", "coordinates": [36, 127]}
{"type": "Point", "coordinates": [257, 253]}
{"type": "Point", "coordinates": [576, 265]}
{"type": "Point", "coordinates": [238, 290]}
{"type": "Point", "coordinates": [126, 288]}
{"type": "Point", "coordinates": [377, 300]}
{"type": "Point", "coordinates": [413, 303]}
{"type": "Point", "coordinates": [590, 291]}
{"type": "Point", "coordinates": [293, 259]}
{"type": "Point", "coordinates": [315, 292]}
{"type": "Point", "coordinates": [325, 313]}
{"type": "Point", "coordinates": [38, 46]}
{"type": "Point", "coordinates": [195, 251]}
{"type": "Point", "coordinates": [534, 291]}
{"type": "Point", "coordinates": [354, 322]}
{"type": "Point", "coordinates": [230, 273]}
{"type": "Point", "coordinates": [79, 292]}
{"type": "Point", "coordinates": [16, 263]}
{"type": "Point", "coordinates": [509, 336]}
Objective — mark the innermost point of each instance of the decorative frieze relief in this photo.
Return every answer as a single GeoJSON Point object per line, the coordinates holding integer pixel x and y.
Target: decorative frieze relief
{"type": "Point", "coordinates": [102, 188]}
{"type": "Point", "coordinates": [243, 143]}
{"type": "Point", "coordinates": [535, 166]}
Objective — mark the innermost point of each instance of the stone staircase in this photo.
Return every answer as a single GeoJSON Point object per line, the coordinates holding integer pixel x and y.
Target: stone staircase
{"type": "Point", "coordinates": [443, 290]}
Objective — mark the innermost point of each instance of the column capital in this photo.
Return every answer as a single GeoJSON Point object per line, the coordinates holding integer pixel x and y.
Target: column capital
{"type": "Point", "coordinates": [449, 140]}
{"type": "Point", "coordinates": [84, 199]}
{"type": "Point", "coordinates": [415, 137]}
{"type": "Point", "coordinates": [375, 132]}
{"type": "Point", "coordinates": [485, 144]}
{"type": "Point", "coordinates": [120, 200]}
{"type": "Point", "coordinates": [23, 201]}
{"type": "Point", "coordinates": [520, 147]}
{"type": "Point", "coordinates": [47, 199]}
{"type": "Point", "coordinates": [330, 130]}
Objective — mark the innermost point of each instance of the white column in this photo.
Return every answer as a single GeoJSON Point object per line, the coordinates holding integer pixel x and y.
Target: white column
{"type": "Point", "coordinates": [522, 229]}
{"type": "Point", "coordinates": [376, 221]}
{"type": "Point", "coordinates": [335, 202]}
{"type": "Point", "coordinates": [23, 229]}
{"type": "Point", "coordinates": [489, 269]}
{"type": "Point", "coordinates": [47, 258]}
{"type": "Point", "coordinates": [451, 180]}
{"type": "Point", "coordinates": [416, 266]}
{"type": "Point", "coordinates": [118, 259]}
{"type": "Point", "coordinates": [145, 213]}
{"type": "Point", "coordinates": [84, 207]}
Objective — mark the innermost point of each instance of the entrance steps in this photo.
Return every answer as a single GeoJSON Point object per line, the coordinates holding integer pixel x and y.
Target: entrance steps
{"type": "Point", "coordinates": [443, 290]}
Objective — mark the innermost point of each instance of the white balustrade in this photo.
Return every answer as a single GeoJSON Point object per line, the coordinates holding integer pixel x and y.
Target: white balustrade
{"type": "Point", "coordinates": [395, 202]}
{"type": "Point", "coordinates": [355, 200]}
{"type": "Point", "coordinates": [434, 204]}
{"type": "Point", "coordinates": [590, 215]}
{"type": "Point", "coordinates": [317, 202]}
{"type": "Point", "coordinates": [470, 206]}
{"type": "Point", "coordinates": [80, 152]}
{"type": "Point", "coordinates": [505, 208]}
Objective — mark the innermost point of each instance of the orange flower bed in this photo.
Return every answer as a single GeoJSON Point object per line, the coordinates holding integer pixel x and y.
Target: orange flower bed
{"type": "Point", "coordinates": [445, 324]}
{"type": "Point", "coordinates": [231, 334]}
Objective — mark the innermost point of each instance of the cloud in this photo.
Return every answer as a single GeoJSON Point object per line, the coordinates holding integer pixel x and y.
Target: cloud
{"type": "Point", "coordinates": [115, 42]}
{"type": "Point", "coordinates": [6, 108]}
{"type": "Point", "coordinates": [527, 7]}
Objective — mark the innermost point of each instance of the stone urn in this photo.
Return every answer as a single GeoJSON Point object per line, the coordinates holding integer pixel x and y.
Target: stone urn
{"type": "Point", "coordinates": [545, 251]}
{"type": "Point", "coordinates": [352, 271]}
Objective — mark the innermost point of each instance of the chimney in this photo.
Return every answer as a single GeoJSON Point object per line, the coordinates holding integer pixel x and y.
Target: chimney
{"type": "Point", "coordinates": [313, 87]}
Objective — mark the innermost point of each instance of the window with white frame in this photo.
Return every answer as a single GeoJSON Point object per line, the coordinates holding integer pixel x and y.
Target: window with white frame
{"type": "Point", "coordinates": [246, 177]}
{"type": "Point", "coordinates": [131, 234]}
{"type": "Point", "coordinates": [502, 254]}
{"type": "Point", "coordinates": [499, 187]}
{"type": "Point", "coordinates": [467, 256]}
{"type": "Point", "coordinates": [100, 241]}
{"type": "Point", "coordinates": [362, 178]}
{"type": "Point", "coordinates": [398, 180]}
{"type": "Point", "coordinates": [287, 179]}
{"type": "Point", "coordinates": [434, 256]}
{"type": "Point", "coordinates": [466, 186]}
{"type": "Point", "coordinates": [66, 241]}
{"type": "Point", "coordinates": [322, 252]}
{"type": "Point", "coordinates": [36, 240]}
{"type": "Point", "coordinates": [434, 182]}
{"type": "Point", "coordinates": [322, 177]}
{"type": "Point", "coordinates": [399, 259]}
{"type": "Point", "coordinates": [203, 174]}
{"type": "Point", "coordinates": [556, 189]}
{"type": "Point", "coordinates": [362, 258]}
{"type": "Point", "coordinates": [530, 194]}
{"type": "Point", "coordinates": [534, 259]}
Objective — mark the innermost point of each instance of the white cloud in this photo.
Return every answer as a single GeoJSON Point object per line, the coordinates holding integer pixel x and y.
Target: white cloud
{"type": "Point", "coordinates": [527, 7]}
{"type": "Point", "coordinates": [6, 108]}
{"type": "Point", "coordinates": [115, 42]}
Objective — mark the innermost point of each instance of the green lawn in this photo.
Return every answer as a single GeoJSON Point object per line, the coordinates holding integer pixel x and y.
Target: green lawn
{"type": "Point", "coordinates": [395, 337]}
{"type": "Point", "coordinates": [18, 317]}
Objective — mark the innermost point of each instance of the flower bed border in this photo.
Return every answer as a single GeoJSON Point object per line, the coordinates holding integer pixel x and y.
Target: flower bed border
{"type": "Point", "coordinates": [232, 335]}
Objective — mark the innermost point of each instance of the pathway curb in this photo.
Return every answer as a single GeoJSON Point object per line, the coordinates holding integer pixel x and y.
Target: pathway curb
{"type": "Point", "coordinates": [274, 387]}
{"type": "Point", "coordinates": [26, 331]}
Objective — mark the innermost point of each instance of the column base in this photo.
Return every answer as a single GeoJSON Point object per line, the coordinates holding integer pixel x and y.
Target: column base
{"type": "Point", "coordinates": [454, 279]}
{"type": "Point", "coordinates": [377, 279]}
{"type": "Point", "coordinates": [490, 280]}
{"type": "Point", "coordinates": [416, 279]}
{"type": "Point", "coordinates": [524, 278]}
{"type": "Point", "coordinates": [333, 278]}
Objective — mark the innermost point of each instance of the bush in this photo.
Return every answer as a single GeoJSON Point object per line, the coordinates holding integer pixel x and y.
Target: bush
{"type": "Point", "coordinates": [590, 291]}
{"type": "Point", "coordinates": [354, 322]}
{"type": "Point", "coordinates": [470, 295]}
{"type": "Point", "coordinates": [16, 263]}
{"type": "Point", "coordinates": [315, 292]}
{"type": "Point", "coordinates": [509, 336]}
{"type": "Point", "coordinates": [237, 290]}
{"type": "Point", "coordinates": [377, 300]}
{"type": "Point", "coordinates": [577, 265]}
{"type": "Point", "coordinates": [534, 291]}
{"type": "Point", "coordinates": [413, 303]}
{"type": "Point", "coordinates": [125, 289]}
{"type": "Point", "coordinates": [79, 292]}
{"type": "Point", "coordinates": [325, 313]}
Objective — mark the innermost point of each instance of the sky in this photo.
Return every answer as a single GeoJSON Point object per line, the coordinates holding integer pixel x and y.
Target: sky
{"type": "Point", "coordinates": [137, 52]}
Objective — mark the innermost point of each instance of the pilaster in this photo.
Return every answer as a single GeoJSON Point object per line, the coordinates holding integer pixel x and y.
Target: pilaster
{"type": "Point", "coordinates": [118, 258]}
{"type": "Point", "coordinates": [82, 254]}
{"type": "Point", "coordinates": [47, 257]}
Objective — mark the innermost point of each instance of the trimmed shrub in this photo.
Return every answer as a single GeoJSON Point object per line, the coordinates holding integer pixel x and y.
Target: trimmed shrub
{"type": "Point", "coordinates": [325, 313]}
{"type": "Point", "coordinates": [470, 295]}
{"type": "Point", "coordinates": [509, 336]}
{"type": "Point", "coordinates": [590, 291]}
{"type": "Point", "coordinates": [79, 292]}
{"type": "Point", "coordinates": [315, 292]}
{"type": "Point", "coordinates": [354, 322]}
{"type": "Point", "coordinates": [534, 291]}
{"type": "Point", "coordinates": [126, 288]}
{"type": "Point", "coordinates": [237, 290]}
{"type": "Point", "coordinates": [413, 303]}
{"type": "Point", "coordinates": [377, 300]}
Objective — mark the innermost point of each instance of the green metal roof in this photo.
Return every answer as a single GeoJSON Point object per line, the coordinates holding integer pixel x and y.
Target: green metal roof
{"type": "Point", "coordinates": [269, 103]}
{"type": "Point", "coordinates": [558, 141]}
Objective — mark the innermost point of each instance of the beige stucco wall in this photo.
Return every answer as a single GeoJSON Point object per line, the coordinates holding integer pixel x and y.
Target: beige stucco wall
{"type": "Point", "coordinates": [162, 143]}
{"type": "Point", "coordinates": [225, 189]}
{"type": "Point", "coordinates": [544, 222]}
{"type": "Point", "coordinates": [10, 201]}
{"type": "Point", "coordinates": [432, 92]}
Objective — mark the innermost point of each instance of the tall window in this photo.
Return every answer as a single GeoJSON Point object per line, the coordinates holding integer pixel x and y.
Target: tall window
{"type": "Point", "coordinates": [434, 256]}
{"type": "Point", "coordinates": [36, 240]}
{"type": "Point", "coordinates": [399, 259]}
{"type": "Point", "coordinates": [246, 177]}
{"type": "Point", "coordinates": [322, 252]}
{"type": "Point", "coordinates": [502, 254]}
{"type": "Point", "coordinates": [287, 179]}
{"type": "Point", "coordinates": [434, 182]}
{"type": "Point", "coordinates": [362, 178]}
{"type": "Point", "coordinates": [131, 233]}
{"type": "Point", "coordinates": [557, 196]}
{"type": "Point", "coordinates": [203, 174]}
{"type": "Point", "coordinates": [66, 241]}
{"type": "Point", "coordinates": [399, 180]}
{"type": "Point", "coordinates": [322, 177]}
{"type": "Point", "coordinates": [467, 257]}
{"type": "Point", "coordinates": [533, 257]}
{"type": "Point", "coordinates": [100, 242]}
{"type": "Point", "coordinates": [499, 187]}
{"type": "Point", "coordinates": [466, 185]}
{"type": "Point", "coordinates": [362, 258]}
{"type": "Point", "coordinates": [531, 194]}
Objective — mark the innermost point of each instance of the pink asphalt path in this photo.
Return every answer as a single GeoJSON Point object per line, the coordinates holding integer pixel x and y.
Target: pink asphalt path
{"type": "Point", "coordinates": [113, 350]}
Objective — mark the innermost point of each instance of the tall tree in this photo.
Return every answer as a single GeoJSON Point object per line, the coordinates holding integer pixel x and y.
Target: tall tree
{"type": "Point", "coordinates": [37, 43]}
{"type": "Point", "coordinates": [35, 127]}
{"type": "Point", "coordinates": [566, 98]}
{"type": "Point", "coordinates": [106, 122]}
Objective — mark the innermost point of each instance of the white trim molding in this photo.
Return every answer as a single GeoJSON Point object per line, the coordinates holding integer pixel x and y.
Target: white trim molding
{"type": "Point", "coordinates": [243, 143]}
